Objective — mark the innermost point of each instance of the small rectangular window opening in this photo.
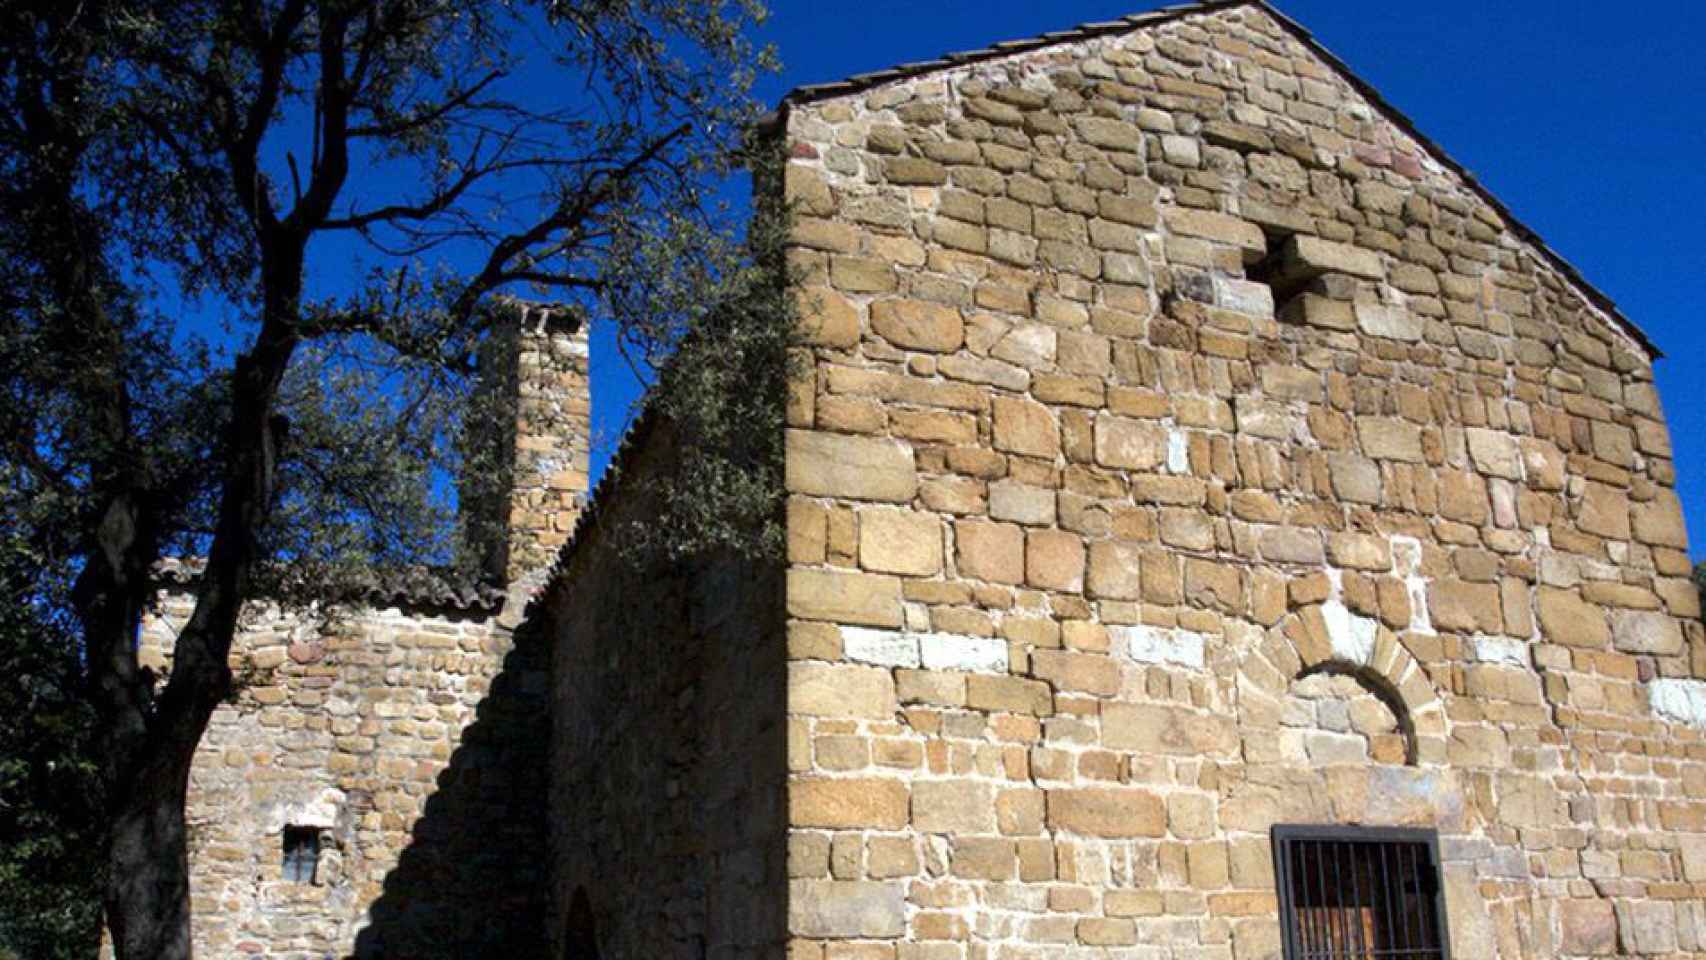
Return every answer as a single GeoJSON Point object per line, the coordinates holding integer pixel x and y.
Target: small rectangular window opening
{"type": "Point", "coordinates": [301, 853]}
{"type": "Point", "coordinates": [1349, 893]}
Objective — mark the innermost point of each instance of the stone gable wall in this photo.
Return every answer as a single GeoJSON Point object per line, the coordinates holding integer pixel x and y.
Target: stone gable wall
{"type": "Point", "coordinates": [1186, 451]}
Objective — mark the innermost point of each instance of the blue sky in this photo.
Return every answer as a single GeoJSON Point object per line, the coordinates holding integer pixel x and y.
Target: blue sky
{"type": "Point", "coordinates": [1587, 121]}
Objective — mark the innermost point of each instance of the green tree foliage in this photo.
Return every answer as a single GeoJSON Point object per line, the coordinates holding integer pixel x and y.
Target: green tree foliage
{"type": "Point", "coordinates": [49, 790]}
{"type": "Point", "coordinates": [344, 192]}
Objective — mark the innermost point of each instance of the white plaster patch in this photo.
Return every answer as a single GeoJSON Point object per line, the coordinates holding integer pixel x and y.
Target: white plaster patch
{"type": "Point", "coordinates": [319, 811]}
{"type": "Point", "coordinates": [1178, 451]}
{"type": "Point", "coordinates": [947, 651]}
{"type": "Point", "coordinates": [884, 648]}
{"type": "Point", "coordinates": [1407, 565]}
{"type": "Point", "coordinates": [1147, 644]}
{"type": "Point", "coordinates": [1501, 650]}
{"type": "Point", "coordinates": [1352, 636]}
{"type": "Point", "coordinates": [1679, 701]}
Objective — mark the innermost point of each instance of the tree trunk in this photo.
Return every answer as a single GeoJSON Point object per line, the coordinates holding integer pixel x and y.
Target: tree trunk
{"type": "Point", "coordinates": [147, 896]}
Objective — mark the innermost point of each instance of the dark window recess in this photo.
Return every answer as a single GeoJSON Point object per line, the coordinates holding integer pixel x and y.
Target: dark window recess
{"type": "Point", "coordinates": [301, 853]}
{"type": "Point", "coordinates": [1348, 893]}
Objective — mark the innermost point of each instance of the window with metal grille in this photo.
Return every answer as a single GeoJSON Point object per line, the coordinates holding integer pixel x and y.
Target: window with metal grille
{"type": "Point", "coordinates": [1350, 893]}
{"type": "Point", "coordinates": [301, 853]}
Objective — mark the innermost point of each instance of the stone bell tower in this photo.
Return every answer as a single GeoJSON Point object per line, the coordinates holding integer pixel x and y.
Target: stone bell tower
{"type": "Point", "coordinates": [527, 454]}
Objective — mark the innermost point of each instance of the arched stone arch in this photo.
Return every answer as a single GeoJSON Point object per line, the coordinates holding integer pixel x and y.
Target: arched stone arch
{"type": "Point", "coordinates": [1276, 786]}
{"type": "Point", "coordinates": [1328, 638]}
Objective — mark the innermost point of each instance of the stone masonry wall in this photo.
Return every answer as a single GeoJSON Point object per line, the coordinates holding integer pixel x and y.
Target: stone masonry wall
{"type": "Point", "coordinates": [1186, 450]}
{"type": "Point", "coordinates": [388, 731]}
{"type": "Point", "coordinates": [411, 736]}
{"type": "Point", "coordinates": [668, 748]}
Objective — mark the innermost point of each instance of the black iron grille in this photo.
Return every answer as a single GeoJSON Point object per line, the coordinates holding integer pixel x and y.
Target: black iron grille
{"type": "Point", "coordinates": [1349, 893]}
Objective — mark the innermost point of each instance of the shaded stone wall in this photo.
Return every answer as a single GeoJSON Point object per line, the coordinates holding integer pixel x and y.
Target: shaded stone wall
{"type": "Point", "coordinates": [668, 750]}
{"type": "Point", "coordinates": [1186, 451]}
{"type": "Point", "coordinates": [389, 732]}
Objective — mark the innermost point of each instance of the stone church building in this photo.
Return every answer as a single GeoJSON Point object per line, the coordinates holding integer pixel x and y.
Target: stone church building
{"type": "Point", "coordinates": [1217, 530]}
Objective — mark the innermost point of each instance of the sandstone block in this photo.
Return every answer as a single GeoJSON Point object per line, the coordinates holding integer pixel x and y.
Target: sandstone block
{"type": "Point", "coordinates": [1054, 560]}
{"type": "Point", "coordinates": [983, 858]}
{"type": "Point", "coordinates": [1107, 812]}
{"type": "Point", "coordinates": [1468, 607]}
{"type": "Point", "coordinates": [1355, 479]}
{"type": "Point", "coordinates": [1494, 453]}
{"type": "Point", "coordinates": [1077, 672]}
{"type": "Point", "coordinates": [1025, 427]}
{"type": "Point", "coordinates": [1114, 570]}
{"type": "Point", "coordinates": [1604, 511]}
{"type": "Point", "coordinates": [1009, 695]}
{"type": "Point", "coordinates": [900, 541]}
{"type": "Point", "coordinates": [844, 803]}
{"type": "Point", "coordinates": [1359, 551]}
{"type": "Point", "coordinates": [857, 468]}
{"type": "Point", "coordinates": [1020, 812]}
{"type": "Point", "coordinates": [1589, 927]}
{"type": "Point", "coordinates": [840, 690]}
{"type": "Point", "coordinates": [827, 318]}
{"type": "Point", "coordinates": [1394, 323]}
{"type": "Point", "coordinates": [1130, 444]}
{"type": "Point", "coordinates": [1021, 503]}
{"type": "Point", "coordinates": [1291, 545]}
{"type": "Point", "coordinates": [844, 597]}
{"type": "Point", "coordinates": [1646, 631]}
{"type": "Point", "coordinates": [918, 325]}
{"type": "Point", "coordinates": [1304, 256]}
{"type": "Point", "coordinates": [1565, 618]}
{"type": "Point", "coordinates": [914, 170]}
{"type": "Point", "coordinates": [1388, 438]}
{"type": "Point", "coordinates": [1318, 311]}
{"type": "Point", "coordinates": [953, 806]}
{"type": "Point", "coordinates": [846, 908]}
{"type": "Point", "coordinates": [1659, 521]}
{"type": "Point", "coordinates": [1218, 227]}
{"type": "Point", "coordinates": [861, 275]}
{"type": "Point", "coordinates": [1109, 133]}
{"type": "Point", "coordinates": [1156, 729]}
{"type": "Point", "coordinates": [990, 551]}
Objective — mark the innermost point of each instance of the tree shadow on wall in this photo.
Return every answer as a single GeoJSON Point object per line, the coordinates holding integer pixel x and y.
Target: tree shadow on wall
{"type": "Point", "coordinates": [473, 880]}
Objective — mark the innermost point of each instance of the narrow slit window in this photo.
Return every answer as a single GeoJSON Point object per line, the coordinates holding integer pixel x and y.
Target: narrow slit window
{"type": "Point", "coordinates": [1349, 893]}
{"type": "Point", "coordinates": [301, 853]}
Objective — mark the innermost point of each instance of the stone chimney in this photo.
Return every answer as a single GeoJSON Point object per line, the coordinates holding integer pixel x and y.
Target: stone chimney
{"type": "Point", "coordinates": [529, 442]}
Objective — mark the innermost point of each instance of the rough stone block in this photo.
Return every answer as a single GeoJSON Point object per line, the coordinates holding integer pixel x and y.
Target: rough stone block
{"type": "Point", "coordinates": [1391, 322]}
{"type": "Point", "coordinates": [990, 551]}
{"type": "Point", "coordinates": [846, 908]}
{"type": "Point", "coordinates": [1304, 256]}
{"type": "Point", "coordinates": [953, 806]}
{"type": "Point", "coordinates": [1567, 619]}
{"type": "Point", "coordinates": [840, 690]}
{"type": "Point", "coordinates": [1130, 444]}
{"type": "Point", "coordinates": [1646, 631]}
{"type": "Point", "coordinates": [1025, 427]}
{"type": "Point", "coordinates": [844, 803]}
{"type": "Point", "coordinates": [1388, 438]}
{"type": "Point", "coordinates": [1115, 570]}
{"type": "Point", "coordinates": [900, 541]}
{"type": "Point", "coordinates": [843, 597]}
{"type": "Point", "coordinates": [1054, 560]}
{"type": "Point", "coordinates": [857, 468]}
{"type": "Point", "coordinates": [1107, 812]}
{"type": "Point", "coordinates": [918, 325]}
